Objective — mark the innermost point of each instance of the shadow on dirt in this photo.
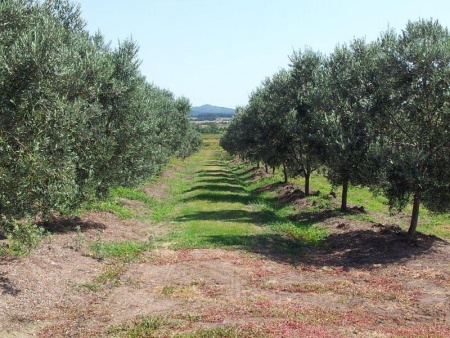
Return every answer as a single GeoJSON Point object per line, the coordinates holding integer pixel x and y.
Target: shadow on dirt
{"type": "Point", "coordinates": [356, 249]}
{"type": "Point", "coordinates": [385, 245]}
{"type": "Point", "coordinates": [320, 216]}
{"type": "Point", "coordinates": [6, 287]}
{"type": "Point", "coordinates": [264, 217]}
{"type": "Point", "coordinates": [269, 187]}
{"type": "Point", "coordinates": [65, 224]}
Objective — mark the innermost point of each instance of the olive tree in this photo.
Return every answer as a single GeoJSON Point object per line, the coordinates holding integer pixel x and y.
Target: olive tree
{"type": "Point", "coordinates": [38, 116]}
{"type": "Point", "coordinates": [416, 122]}
{"type": "Point", "coordinates": [76, 117]}
{"type": "Point", "coordinates": [308, 144]}
{"type": "Point", "coordinates": [351, 72]}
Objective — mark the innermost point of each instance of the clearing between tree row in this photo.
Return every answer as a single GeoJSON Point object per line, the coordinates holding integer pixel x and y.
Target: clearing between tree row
{"type": "Point", "coordinates": [215, 248]}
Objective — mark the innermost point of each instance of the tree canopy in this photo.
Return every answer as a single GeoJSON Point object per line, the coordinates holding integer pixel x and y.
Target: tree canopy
{"type": "Point", "coordinates": [372, 114]}
{"type": "Point", "coordinates": [77, 117]}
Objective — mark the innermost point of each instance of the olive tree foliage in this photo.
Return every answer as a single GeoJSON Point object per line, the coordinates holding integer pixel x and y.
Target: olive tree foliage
{"type": "Point", "coordinates": [76, 117]}
{"type": "Point", "coordinates": [259, 132]}
{"type": "Point", "coordinates": [245, 135]}
{"type": "Point", "coordinates": [278, 119]}
{"type": "Point", "coordinates": [262, 124]}
{"type": "Point", "coordinates": [349, 132]}
{"type": "Point", "coordinates": [38, 121]}
{"type": "Point", "coordinates": [373, 114]}
{"type": "Point", "coordinates": [234, 138]}
{"type": "Point", "coordinates": [281, 125]}
{"type": "Point", "coordinates": [416, 119]}
{"type": "Point", "coordinates": [307, 147]}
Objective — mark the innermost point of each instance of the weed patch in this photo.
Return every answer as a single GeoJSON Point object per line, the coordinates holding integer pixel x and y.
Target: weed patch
{"type": "Point", "coordinates": [111, 274]}
{"type": "Point", "coordinates": [115, 206]}
{"type": "Point", "coordinates": [116, 202]}
{"type": "Point", "coordinates": [141, 327]}
{"type": "Point", "coordinates": [23, 236]}
{"type": "Point", "coordinates": [131, 194]}
{"type": "Point", "coordinates": [127, 251]}
{"type": "Point", "coordinates": [86, 287]}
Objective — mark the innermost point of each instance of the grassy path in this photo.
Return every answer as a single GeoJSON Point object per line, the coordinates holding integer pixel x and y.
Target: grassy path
{"type": "Point", "coordinates": [213, 203]}
{"type": "Point", "coordinates": [210, 205]}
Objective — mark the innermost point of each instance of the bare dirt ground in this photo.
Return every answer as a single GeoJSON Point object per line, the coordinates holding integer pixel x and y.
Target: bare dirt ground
{"type": "Point", "coordinates": [367, 282]}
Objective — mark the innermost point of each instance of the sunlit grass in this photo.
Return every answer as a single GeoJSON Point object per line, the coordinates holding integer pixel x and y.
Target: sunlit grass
{"type": "Point", "coordinates": [131, 194]}
{"type": "Point", "coordinates": [377, 208]}
{"type": "Point", "coordinates": [438, 225]}
{"type": "Point", "coordinates": [115, 202]}
{"type": "Point", "coordinates": [161, 326]}
{"type": "Point", "coordinates": [126, 250]}
{"type": "Point", "coordinates": [214, 204]}
{"type": "Point", "coordinates": [114, 206]}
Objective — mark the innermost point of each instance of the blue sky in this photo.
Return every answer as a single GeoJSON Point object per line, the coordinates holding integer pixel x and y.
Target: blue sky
{"type": "Point", "coordinates": [218, 51]}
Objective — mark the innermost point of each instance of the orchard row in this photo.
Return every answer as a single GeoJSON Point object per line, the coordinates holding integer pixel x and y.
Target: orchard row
{"type": "Point", "coordinates": [77, 116]}
{"type": "Point", "coordinates": [373, 114]}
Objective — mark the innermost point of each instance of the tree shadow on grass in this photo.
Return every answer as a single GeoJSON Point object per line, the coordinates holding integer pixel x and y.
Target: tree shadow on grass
{"type": "Point", "coordinates": [70, 224]}
{"type": "Point", "coordinates": [264, 217]}
{"type": "Point", "coordinates": [213, 163]}
{"type": "Point", "coordinates": [269, 187]}
{"type": "Point", "coordinates": [221, 198]}
{"type": "Point", "coordinates": [213, 171]}
{"type": "Point", "coordinates": [358, 248]}
{"type": "Point", "coordinates": [219, 181]}
{"type": "Point", "coordinates": [249, 178]}
{"type": "Point", "coordinates": [215, 187]}
{"type": "Point", "coordinates": [216, 175]}
{"type": "Point", "coordinates": [243, 174]}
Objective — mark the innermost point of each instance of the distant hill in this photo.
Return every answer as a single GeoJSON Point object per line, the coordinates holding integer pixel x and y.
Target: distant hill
{"type": "Point", "coordinates": [212, 110]}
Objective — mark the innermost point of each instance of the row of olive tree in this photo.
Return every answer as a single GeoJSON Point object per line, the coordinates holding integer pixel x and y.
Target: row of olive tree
{"type": "Point", "coordinates": [373, 114]}
{"type": "Point", "coordinates": [77, 116]}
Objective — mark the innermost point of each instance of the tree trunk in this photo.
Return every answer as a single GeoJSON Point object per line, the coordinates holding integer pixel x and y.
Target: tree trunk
{"type": "Point", "coordinates": [273, 170]}
{"type": "Point", "coordinates": [344, 196]}
{"type": "Point", "coordinates": [257, 165]}
{"type": "Point", "coordinates": [285, 171]}
{"type": "Point", "coordinates": [267, 168]}
{"type": "Point", "coordinates": [414, 217]}
{"type": "Point", "coordinates": [307, 177]}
